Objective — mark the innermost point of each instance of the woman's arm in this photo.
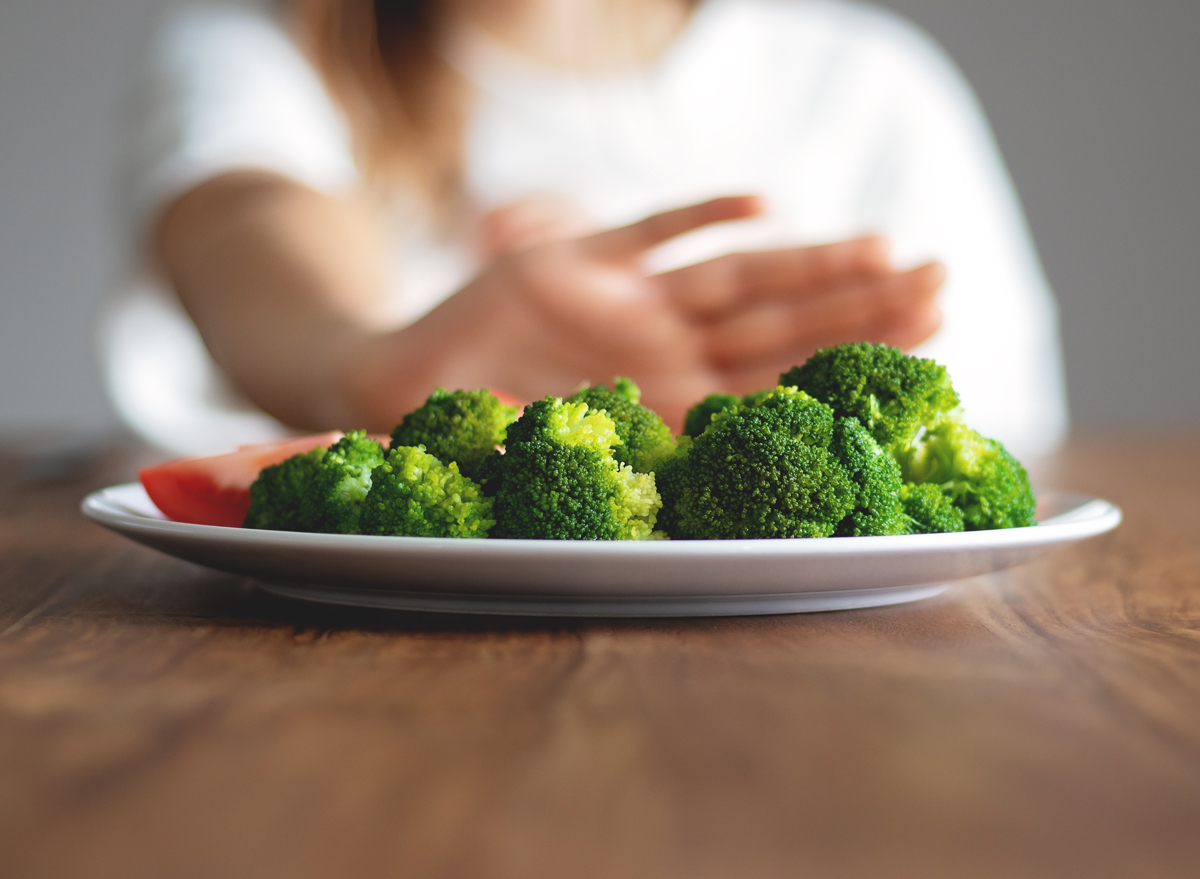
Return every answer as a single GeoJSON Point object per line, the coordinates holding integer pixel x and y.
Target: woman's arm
{"type": "Point", "coordinates": [287, 288]}
{"type": "Point", "coordinates": [283, 283]}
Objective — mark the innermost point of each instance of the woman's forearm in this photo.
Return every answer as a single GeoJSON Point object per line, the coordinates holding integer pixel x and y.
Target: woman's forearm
{"type": "Point", "coordinates": [286, 286]}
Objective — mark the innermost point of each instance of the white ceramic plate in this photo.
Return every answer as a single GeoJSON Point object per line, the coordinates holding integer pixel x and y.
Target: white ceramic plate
{"type": "Point", "coordinates": [602, 578]}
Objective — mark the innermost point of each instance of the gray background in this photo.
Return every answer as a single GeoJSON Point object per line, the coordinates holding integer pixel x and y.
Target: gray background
{"type": "Point", "coordinates": [1094, 103]}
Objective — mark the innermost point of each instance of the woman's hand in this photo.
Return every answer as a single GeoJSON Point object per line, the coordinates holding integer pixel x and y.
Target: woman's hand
{"type": "Point", "coordinates": [546, 316]}
{"type": "Point", "coordinates": [763, 312]}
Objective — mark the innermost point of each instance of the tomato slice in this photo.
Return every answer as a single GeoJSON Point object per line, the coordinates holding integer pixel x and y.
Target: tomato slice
{"type": "Point", "coordinates": [215, 490]}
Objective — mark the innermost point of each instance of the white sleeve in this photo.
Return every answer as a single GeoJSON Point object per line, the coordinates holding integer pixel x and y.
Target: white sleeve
{"type": "Point", "coordinates": [222, 88]}
{"type": "Point", "coordinates": [940, 190]}
{"type": "Point", "coordinates": [219, 89]}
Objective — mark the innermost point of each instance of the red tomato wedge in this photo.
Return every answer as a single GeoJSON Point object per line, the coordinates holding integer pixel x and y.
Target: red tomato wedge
{"type": "Point", "coordinates": [215, 490]}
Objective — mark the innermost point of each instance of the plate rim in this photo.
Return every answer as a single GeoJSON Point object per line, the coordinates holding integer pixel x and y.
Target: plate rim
{"type": "Point", "coordinates": [658, 578]}
{"type": "Point", "coordinates": [1088, 517]}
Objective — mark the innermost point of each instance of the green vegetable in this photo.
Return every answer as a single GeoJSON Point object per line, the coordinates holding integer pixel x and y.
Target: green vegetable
{"type": "Point", "coordinates": [979, 476]}
{"type": "Point", "coordinates": [559, 479]}
{"type": "Point", "coordinates": [413, 493]}
{"type": "Point", "coordinates": [761, 471]}
{"type": "Point", "coordinates": [333, 500]}
{"type": "Point", "coordinates": [893, 395]}
{"type": "Point", "coordinates": [645, 439]}
{"type": "Point", "coordinates": [758, 396]}
{"type": "Point", "coordinates": [929, 510]}
{"type": "Point", "coordinates": [699, 417]}
{"type": "Point", "coordinates": [911, 409]}
{"type": "Point", "coordinates": [876, 477]}
{"type": "Point", "coordinates": [460, 426]}
{"type": "Point", "coordinates": [277, 494]}
{"type": "Point", "coordinates": [860, 440]}
{"type": "Point", "coordinates": [670, 479]}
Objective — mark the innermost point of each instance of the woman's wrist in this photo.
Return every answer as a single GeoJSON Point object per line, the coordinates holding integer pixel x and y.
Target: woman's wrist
{"type": "Point", "coordinates": [383, 376]}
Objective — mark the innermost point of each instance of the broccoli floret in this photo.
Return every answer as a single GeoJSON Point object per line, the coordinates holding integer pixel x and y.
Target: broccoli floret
{"type": "Point", "coordinates": [758, 396]}
{"type": "Point", "coordinates": [276, 497]}
{"type": "Point", "coordinates": [979, 476]}
{"type": "Point", "coordinates": [893, 395]}
{"type": "Point", "coordinates": [333, 502]}
{"type": "Point", "coordinates": [414, 493]}
{"type": "Point", "coordinates": [760, 471]}
{"type": "Point", "coordinates": [876, 477]}
{"type": "Point", "coordinates": [911, 409]}
{"type": "Point", "coordinates": [645, 439]}
{"type": "Point", "coordinates": [559, 480]}
{"type": "Point", "coordinates": [460, 426]}
{"type": "Point", "coordinates": [668, 479]}
{"type": "Point", "coordinates": [929, 509]}
{"type": "Point", "coordinates": [700, 416]}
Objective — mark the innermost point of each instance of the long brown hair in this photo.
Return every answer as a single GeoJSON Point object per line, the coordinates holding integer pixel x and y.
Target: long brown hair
{"type": "Point", "coordinates": [405, 105]}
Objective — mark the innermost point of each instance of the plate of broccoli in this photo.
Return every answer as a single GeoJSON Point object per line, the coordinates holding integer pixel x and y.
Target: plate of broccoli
{"type": "Point", "coordinates": [854, 482]}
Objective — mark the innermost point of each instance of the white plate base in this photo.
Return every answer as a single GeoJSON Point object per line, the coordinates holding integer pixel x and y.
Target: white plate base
{"type": "Point", "coordinates": [744, 605]}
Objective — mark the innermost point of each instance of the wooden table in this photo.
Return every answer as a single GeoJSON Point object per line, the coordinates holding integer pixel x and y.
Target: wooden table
{"type": "Point", "coordinates": [161, 720]}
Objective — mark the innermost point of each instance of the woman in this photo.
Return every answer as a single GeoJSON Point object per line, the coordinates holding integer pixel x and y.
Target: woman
{"type": "Point", "coordinates": [356, 202]}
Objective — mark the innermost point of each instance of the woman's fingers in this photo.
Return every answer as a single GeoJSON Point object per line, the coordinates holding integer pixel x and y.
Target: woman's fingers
{"type": "Point", "coordinates": [719, 285]}
{"type": "Point", "coordinates": [630, 242]}
{"type": "Point", "coordinates": [909, 330]}
{"type": "Point", "coordinates": [529, 222]}
{"type": "Point", "coordinates": [843, 313]}
{"type": "Point", "coordinates": [744, 378]}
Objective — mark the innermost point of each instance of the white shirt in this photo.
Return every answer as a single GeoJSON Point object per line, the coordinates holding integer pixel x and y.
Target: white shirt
{"type": "Point", "coordinates": [847, 119]}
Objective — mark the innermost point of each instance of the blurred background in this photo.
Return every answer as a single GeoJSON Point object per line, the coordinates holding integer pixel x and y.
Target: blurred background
{"type": "Point", "coordinates": [1094, 104]}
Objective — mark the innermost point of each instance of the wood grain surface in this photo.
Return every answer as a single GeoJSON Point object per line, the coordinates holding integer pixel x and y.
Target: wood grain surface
{"type": "Point", "coordinates": [161, 720]}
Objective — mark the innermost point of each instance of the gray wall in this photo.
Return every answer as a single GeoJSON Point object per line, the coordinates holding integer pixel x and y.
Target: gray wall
{"type": "Point", "coordinates": [1094, 103]}
{"type": "Point", "coordinates": [62, 64]}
